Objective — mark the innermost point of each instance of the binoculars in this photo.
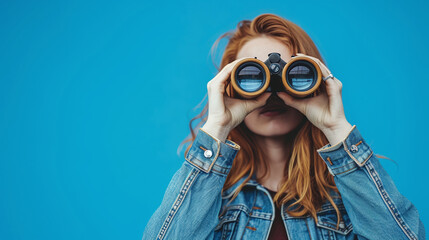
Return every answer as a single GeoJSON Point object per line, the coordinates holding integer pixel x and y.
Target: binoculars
{"type": "Point", "coordinates": [251, 77]}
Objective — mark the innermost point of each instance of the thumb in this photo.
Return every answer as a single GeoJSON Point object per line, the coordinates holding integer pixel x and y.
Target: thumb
{"type": "Point", "coordinates": [294, 102]}
{"type": "Point", "coordinates": [257, 102]}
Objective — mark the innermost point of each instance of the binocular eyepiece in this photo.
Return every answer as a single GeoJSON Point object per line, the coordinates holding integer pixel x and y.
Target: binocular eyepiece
{"type": "Point", "coordinates": [300, 77]}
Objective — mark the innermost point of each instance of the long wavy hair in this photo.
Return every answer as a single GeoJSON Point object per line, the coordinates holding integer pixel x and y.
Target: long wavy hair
{"type": "Point", "coordinates": [306, 181]}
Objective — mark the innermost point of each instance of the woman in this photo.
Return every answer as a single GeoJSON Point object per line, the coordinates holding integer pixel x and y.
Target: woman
{"type": "Point", "coordinates": [279, 167]}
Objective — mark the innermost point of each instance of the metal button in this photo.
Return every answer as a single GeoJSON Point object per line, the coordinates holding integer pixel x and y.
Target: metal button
{"type": "Point", "coordinates": [341, 225]}
{"type": "Point", "coordinates": [354, 148]}
{"type": "Point", "coordinates": [208, 153]}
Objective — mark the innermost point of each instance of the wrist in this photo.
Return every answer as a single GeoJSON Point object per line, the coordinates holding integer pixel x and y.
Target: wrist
{"type": "Point", "coordinates": [337, 133]}
{"type": "Point", "coordinates": [216, 131]}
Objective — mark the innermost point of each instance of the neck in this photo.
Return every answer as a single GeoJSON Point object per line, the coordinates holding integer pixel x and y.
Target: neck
{"type": "Point", "coordinates": [276, 152]}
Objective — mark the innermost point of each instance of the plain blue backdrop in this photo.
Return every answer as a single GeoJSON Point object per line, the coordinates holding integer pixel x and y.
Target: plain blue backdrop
{"type": "Point", "coordinates": [96, 96]}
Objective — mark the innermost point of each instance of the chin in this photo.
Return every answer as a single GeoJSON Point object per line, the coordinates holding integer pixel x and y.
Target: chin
{"type": "Point", "coordinates": [275, 125]}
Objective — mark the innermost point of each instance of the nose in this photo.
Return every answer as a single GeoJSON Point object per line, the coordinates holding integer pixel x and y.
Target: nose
{"type": "Point", "coordinates": [274, 99]}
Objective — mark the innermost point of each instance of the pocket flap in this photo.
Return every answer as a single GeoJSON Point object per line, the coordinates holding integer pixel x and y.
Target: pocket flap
{"type": "Point", "coordinates": [327, 218]}
{"type": "Point", "coordinates": [229, 216]}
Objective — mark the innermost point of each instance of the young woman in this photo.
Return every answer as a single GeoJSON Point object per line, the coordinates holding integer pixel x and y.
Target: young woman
{"type": "Point", "coordinates": [279, 167]}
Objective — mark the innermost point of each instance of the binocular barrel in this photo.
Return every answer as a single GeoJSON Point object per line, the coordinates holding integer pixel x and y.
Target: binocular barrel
{"type": "Point", "coordinates": [300, 77]}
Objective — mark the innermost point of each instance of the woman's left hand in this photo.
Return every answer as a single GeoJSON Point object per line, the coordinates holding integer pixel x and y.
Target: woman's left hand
{"type": "Point", "coordinates": [325, 110]}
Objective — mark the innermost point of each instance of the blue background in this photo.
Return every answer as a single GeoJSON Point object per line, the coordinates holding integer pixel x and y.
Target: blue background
{"type": "Point", "coordinates": [96, 96]}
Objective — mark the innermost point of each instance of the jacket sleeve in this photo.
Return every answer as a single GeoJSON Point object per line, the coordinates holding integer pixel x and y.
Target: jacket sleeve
{"type": "Point", "coordinates": [376, 208]}
{"type": "Point", "coordinates": [192, 201]}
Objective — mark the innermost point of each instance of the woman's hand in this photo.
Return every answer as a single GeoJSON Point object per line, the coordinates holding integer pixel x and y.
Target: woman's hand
{"type": "Point", "coordinates": [225, 113]}
{"type": "Point", "coordinates": [325, 111]}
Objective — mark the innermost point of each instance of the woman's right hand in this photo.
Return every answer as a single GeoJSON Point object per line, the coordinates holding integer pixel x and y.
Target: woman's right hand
{"type": "Point", "coordinates": [225, 113]}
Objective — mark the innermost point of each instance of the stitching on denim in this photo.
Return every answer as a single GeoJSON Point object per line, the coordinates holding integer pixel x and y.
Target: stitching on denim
{"type": "Point", "coordinates": [198, 160]}
{"type": "Point", "coordinates": [308, 228]}
{"type": "Point", "coordinates": [194, 164]}
{"type": "Point", "coordinates": [219, 166]}
{"type": "Point", "coordinates": [223, 220]}
{"type": "Point", "coordinates": [354, 159]}
{"type": "Point", "coordinates": [218, 142]}
{"type": "Point", "coordinates": [235, 146]}
{"type": "Point", "coordinates": [350, 163]}
{"type": "Point", "coordinates": [329, 208]}
{"type": "Point", "coordinates": [389, 203]}
{"type": "Point", "coordinates": [199, 167]}
{"type": "Point", "coordinates": [222, 169]}
{"type": "Point", "coordinates": [177, 203]}
{"type": "Point", "coordinates": [250, 211]}
{"type": "Point", "coordinates": [346, 230]}
{"type": "Point", "coordinates": [216, 171]}
{"type": "Point", "coordinates": [261, 215]}
{"type": "Point", "coordinates": [240, 207]}
{"type": "Point", "coordinates": [346, 171]}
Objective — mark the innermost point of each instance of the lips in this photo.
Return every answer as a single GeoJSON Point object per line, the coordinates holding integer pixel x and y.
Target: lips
{"type": "Point", "coordinates": [274, 104]}
{"type": "Point", "coordinates": [275, 108]}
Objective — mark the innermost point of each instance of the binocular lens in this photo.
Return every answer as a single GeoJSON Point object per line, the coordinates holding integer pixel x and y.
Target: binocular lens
{"type": "Point", "coordinates": [301, 75]}
{"type": "Point", "coordinates": [250, 77]}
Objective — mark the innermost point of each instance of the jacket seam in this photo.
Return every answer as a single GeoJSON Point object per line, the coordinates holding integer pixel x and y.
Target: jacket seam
{"type": "Point", "coordinates": [308, 228]}
{"type": "Point", "coordinates": [177, 203]}
{"type": "Point", "coordinates": [200, 167]}
{"type": "Point", "coordinates": [222, 174]}
{"type": "Point", "coordinates": [235, 146]}
{"type": "Point", "coordinates": [225, 169]}
{"type": "Point", "coordinates": [389, 203]}
{"type": "Point", "coordinates": [350, 164]}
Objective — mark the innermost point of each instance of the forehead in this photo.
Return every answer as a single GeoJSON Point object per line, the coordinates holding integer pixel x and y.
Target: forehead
{"type": "Point", "coordinates": [260, 47]}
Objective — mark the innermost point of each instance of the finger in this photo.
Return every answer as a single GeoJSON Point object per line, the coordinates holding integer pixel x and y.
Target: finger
{"type": "Point", "coordinates": [340, 84]}
{"type": "Point", "coordinates": [257, 102]}
{"type": "Point", "coordinates": [223, 75]}
{"type": "Point", "coordinates": [296, 103]}
{"type": "Point", "coordinates": [216, 86]}
{"type": "Point", "coordinates": [325, 71]}
{"type": "Point", "coordinates": [218, 83]}
{"type": "Point", "coordinates": [333, 85]}
{"type": "Point", "coordinates": [333, 90]}
{"type": "Point", "coordinates": [323, 68]}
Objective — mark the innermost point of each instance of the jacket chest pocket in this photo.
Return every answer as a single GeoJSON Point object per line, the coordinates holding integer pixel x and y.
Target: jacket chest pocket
{"type": "Point", "coordinates": [327, 224]}
{"type": "Point", "coordinates": [227, 224]}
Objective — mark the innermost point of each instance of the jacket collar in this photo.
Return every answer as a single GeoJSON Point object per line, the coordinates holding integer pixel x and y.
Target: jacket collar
{"type": "Point", "coordinates": [231, 190]}
{"type": "Point", "coordinates": [254, 183]}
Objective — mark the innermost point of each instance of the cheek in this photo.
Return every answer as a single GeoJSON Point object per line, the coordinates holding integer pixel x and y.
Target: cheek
{"type": "Point", "coordinates": [251, 118]}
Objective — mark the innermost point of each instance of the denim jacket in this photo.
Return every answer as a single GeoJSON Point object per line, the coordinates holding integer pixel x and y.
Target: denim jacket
{"type": "Point", "coordinates": [193, 207]}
